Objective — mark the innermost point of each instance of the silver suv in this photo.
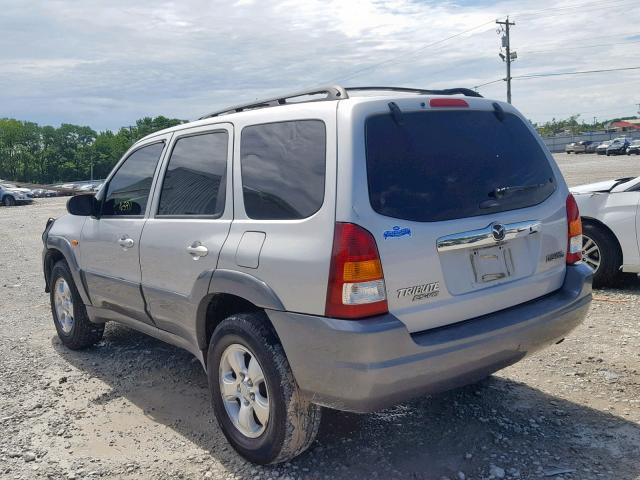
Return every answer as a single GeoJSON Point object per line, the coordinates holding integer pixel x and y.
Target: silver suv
{"type": "Point", "coordinates": [328, 249]}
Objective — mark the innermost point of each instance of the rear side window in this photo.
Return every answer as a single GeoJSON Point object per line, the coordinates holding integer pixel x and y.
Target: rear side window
{"type": "Point", "coordinates": [283, 169]}
{"type": "Point", "coordinates": [194, 183]}
{"type": "Point", "coordinates": [128, 190]}
{"type": "Point", "coordinates": [435, 166]}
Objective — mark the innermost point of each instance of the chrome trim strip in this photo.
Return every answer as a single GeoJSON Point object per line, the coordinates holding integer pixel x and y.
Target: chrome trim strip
{"type": "Point", "coordinates": [484, 237]}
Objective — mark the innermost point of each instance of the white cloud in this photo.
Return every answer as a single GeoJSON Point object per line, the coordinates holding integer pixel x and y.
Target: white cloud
{"type": "Point", "coordinates": [106, 64]}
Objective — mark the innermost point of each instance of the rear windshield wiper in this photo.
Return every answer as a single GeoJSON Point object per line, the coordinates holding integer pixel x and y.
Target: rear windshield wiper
{"type": "Point", "coordinates": [500, 192]}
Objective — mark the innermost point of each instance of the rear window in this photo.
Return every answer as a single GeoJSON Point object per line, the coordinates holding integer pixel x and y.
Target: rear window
{"type": "Point", "coordinates": [436, 166]}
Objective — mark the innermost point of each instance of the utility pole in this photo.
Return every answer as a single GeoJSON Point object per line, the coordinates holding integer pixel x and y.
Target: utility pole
{"type": "Point", "coordinates": [509, 57]}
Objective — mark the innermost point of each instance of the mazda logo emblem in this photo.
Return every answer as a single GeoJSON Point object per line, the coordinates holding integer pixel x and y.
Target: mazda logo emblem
{"type": "Point", "coordinates": [498, 232]}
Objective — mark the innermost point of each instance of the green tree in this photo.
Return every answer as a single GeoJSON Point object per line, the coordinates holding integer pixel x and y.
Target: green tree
{"type": "Point", "coordinates": [45, 154]}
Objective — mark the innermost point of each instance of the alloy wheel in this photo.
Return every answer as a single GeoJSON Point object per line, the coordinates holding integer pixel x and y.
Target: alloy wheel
{"type": "Point", "coordinates": [63, 302]}
{"type": "Point", "coordinates": [244, 390]}
{"type": "Point", "coordinates": [590, 253]}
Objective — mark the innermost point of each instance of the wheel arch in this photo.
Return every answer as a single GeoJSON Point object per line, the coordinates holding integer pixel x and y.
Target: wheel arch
{"type": "Point", "coordinates": [59, 248]}
{"type": "Point", "coordinates": [51, 257]}
{"type": "Point", "coordinates": [231, 292]}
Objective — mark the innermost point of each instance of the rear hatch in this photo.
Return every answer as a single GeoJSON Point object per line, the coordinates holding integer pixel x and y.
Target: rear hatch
{"type": "Point", "coordinates": [467, 210]}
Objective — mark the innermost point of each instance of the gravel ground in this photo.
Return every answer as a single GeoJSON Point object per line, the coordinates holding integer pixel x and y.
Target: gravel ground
{"type": "Point", "coordinates": [587, 168]}
{"type": "Point", "coordinates": [133, 407]}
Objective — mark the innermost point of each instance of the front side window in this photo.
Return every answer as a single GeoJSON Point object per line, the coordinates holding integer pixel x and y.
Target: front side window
{"type": "Point", "coordinates": [195, 180]}
{"type": "Point", "coordinates": [283, 169]}
{"type": "Point", "coordinates": [128, 190]}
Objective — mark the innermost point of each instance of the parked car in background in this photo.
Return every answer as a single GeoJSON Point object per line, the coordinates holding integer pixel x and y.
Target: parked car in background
{"type": "Point", "coordinates": [11, 194]}
{"type": "Point", "coordinates": [618, 146]}
{"type": "Point", "coordinates": [578, 147]}
{"type": "Point", "coordinates": [591, 148]}
{"type": "Point", "coordinates": [321, 274]}
{"type": "Point", "coordinates": [610, 228]}
{"type": "Point", "coordinates": [634, 147]}
{"type": "Point", "coordinates": [87, 187]}
{"type": "Point", "coordinates": [602, 148]}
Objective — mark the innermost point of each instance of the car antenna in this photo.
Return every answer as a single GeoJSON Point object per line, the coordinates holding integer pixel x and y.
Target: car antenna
{"type": "Point", "coordinates": [396, 113]}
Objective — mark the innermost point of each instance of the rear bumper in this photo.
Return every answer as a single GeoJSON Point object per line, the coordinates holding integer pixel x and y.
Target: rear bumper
{"type": "Point", "coordinates": [370, 364]}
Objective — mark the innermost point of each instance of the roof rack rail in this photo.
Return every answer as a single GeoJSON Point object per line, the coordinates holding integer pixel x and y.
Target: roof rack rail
{"type": "Point", "coordinates": [467, 92]}
{"type": "Point", "coordinates": [333, 92]}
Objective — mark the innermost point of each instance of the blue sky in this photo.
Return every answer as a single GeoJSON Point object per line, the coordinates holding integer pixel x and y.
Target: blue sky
{"type": "Point", "coordinates": [105, 64]}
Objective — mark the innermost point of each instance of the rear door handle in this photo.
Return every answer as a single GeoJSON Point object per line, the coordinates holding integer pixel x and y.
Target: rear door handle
{"type": "Point", "coordinates": [126, 242]}
{"type": "Point", "coordinates": [197, 250]}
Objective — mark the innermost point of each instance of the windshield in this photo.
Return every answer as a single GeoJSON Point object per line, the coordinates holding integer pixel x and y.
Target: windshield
{"type": "Point", "coordinates": [435, 166]}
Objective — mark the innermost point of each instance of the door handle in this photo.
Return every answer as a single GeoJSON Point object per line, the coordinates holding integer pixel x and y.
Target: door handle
{"type": "Point", "coordinates": [126, 242]}
{"type": "Point", "coordinates": [197, 250]}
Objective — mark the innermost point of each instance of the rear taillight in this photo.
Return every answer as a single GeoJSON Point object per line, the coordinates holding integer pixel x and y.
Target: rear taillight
{"type": "Point", "coordinates": [574, 232]}
{"type": "Point", "coordinates": [356, 283]}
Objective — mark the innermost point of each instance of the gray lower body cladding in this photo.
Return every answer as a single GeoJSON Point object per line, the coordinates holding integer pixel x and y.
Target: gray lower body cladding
{"type": "Point", "coordinates": [370, 364]}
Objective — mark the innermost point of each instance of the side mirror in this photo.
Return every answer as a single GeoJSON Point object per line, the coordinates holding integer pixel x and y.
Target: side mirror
{"type": "Point", "coordinates": [82, 205]}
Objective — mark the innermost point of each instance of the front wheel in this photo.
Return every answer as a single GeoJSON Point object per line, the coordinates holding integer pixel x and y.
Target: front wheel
{"type": "Point", "coordinates": [70, 318]}
{"type": "Point", "coordinates": [257, 402]}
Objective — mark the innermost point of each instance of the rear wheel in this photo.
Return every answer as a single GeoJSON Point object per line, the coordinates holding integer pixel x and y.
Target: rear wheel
{"type": "Point", "coordinates": [9, 201]}
{"type": "Point", "coordinates": [70, 318]}
{"type": "Point", "coordinates": [255, 398]}
{"type": "Point", "coordinates": [600, 250]}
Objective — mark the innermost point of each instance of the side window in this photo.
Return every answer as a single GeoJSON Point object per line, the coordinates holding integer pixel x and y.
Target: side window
{"type": "Point", "coordinates": [194, 183]}
{"type": "Point", "coordinates": [128, 190]}
{"type": "Point", "coordinates": [283, 169]}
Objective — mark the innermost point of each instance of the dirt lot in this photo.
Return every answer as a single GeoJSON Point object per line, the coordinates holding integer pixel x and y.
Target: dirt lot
{"type": "Point", "coordinates": [135, 408]}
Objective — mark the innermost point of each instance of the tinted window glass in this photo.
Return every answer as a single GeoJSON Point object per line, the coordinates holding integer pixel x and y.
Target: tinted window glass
{"type": "Point", "coordinates": [128, 190]}
{"type": "Point", "coordinates": [283, 168]}
{"type": "Point", "coordinates": [194, 182]}
{"type": "Point", "coordinates": [434, 166]}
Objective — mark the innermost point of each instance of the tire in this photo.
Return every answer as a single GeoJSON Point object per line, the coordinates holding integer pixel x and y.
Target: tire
{"type": "Point", "coordinates": [9, 201]}
{"type": "Point", "coordinates": [608, 272]}
{"type": "Point", "coordinates": [292, 422]}
{"type": "Point", "coordinates": [80, 332]}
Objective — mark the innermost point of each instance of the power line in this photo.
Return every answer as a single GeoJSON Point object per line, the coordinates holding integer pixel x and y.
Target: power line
{"type": "Point", "coordinates": [581, 47]}
{"type": "Point", "coordinates": [590, 37]}
{"type": "Point", "coordinates": [584, 6]}
{"type": "Point", "coordinates": [400, 58]}
{"type": "Point", "coordinates": [489, 83]}
{"type": "Point", "coordinates": [554, 74]}
{"type": "Point", "coordinates": [397, 58]}
{"type": "Point", "coordinates": [538, 75]}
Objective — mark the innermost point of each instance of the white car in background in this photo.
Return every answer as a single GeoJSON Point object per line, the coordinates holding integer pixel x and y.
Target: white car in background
{"type": "Point", "coordinates": [11, 195]}
{"type": "Point", "coordinates": [611, 228]}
